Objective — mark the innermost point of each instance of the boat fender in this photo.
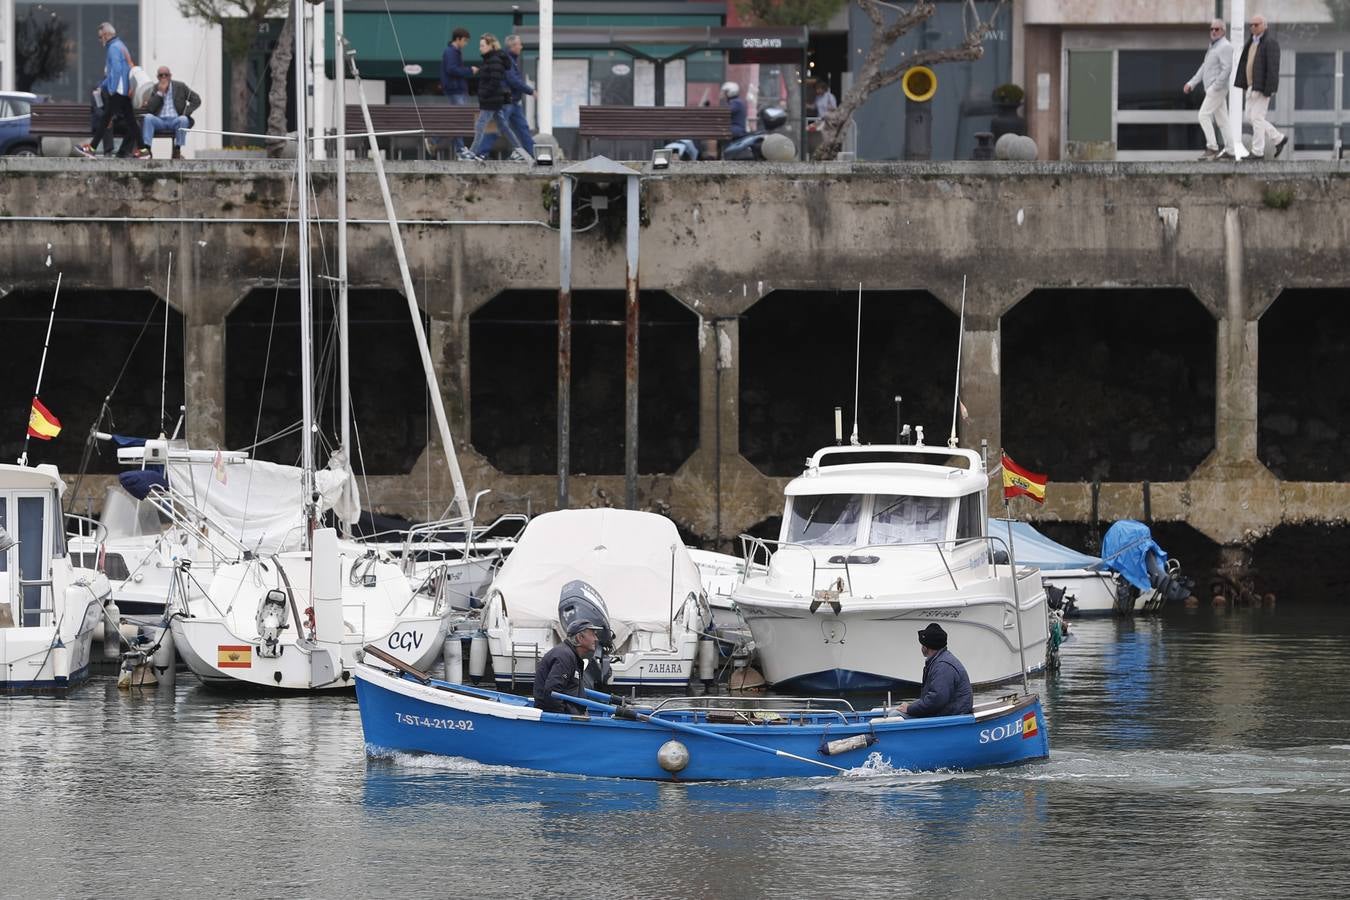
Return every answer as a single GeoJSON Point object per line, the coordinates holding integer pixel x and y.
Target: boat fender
{"type": "Point", "coordinates": [673, 756]}
{"type": "Point", "coordinates": [112, 630]}
{"type": "Point", "coordinates": [478, 654]}
{"type": "Point", "coordinates": [844, 745]}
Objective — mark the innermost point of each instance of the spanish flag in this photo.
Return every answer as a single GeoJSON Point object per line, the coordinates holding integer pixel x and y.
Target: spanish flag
{"type": "Point", "coordinates": [234, 656]}
{"type": "Point", "coordinates": [1017, 480]}
{"type": "Point", "coordinates": [41, 423]}
{"type": "Point", "coordinates": [1029, 726]}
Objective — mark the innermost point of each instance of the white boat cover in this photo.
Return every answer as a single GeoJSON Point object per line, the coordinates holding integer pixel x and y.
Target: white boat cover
{"type": "Point", "coordinates": [626, 555]}
{"type": "Point", "coordinates": [261, 503]}
{"type": "Point", "coordinates": [1031, 548]}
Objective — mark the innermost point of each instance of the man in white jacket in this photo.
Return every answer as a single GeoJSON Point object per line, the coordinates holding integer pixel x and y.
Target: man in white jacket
{"type": "Point", "coordinates": [1214, 73]}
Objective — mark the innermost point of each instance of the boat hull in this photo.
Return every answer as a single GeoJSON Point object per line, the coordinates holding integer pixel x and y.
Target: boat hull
{"type": "Point", "coordinates": [400, 715]}
{"type": "Point", "coordinates": [30, 661]}
{"type": "Point", "coordinates": [1093, 592]}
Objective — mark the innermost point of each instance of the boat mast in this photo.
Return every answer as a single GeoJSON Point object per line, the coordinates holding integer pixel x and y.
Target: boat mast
{"type": "Point", "coordinates": [344, 337]}
{"type": "Point", "coordinates": [306, 309]}
{"type": "Point", "coordinates": [410, 293]}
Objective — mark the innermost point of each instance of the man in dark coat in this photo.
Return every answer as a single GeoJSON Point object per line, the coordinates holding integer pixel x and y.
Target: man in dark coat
{"type": "Point", "coordinates": [455, 77]}
{"type": "Point", "coordinates": [169, 108]}
{"type": "Point", "coordinates": [1259, 74]}
{"type": "Point", "coordinates": [494, 95]}
{"type": "Point", "coordinates": [560, 669]}
{"type": "Point", "coordinates": [946, 686]}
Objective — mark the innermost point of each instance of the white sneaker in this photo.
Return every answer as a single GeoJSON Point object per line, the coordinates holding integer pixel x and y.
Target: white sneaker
{"type": "Point", "coordinates": [519, 155]}
{"type": "Point", "coordinates": [468, 155]}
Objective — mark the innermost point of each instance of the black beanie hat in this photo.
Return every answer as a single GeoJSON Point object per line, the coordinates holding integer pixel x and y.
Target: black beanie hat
{"type": "Point", "coordinates": [933, 637]}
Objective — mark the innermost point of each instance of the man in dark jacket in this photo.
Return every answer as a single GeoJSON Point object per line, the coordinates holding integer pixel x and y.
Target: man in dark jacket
{"type": "Point", "coordinates": [455, 77]}
{"type": "Point", "coordinates": [1259, 74]}
{"type": "Point", "coordinates": [515, 109]}
{"type": "Point", "coordinates": [560, 669]}
{"type": "Point", "coordinates": [946, 686]}
{"type": "Point", "coordinates": [169, 108]}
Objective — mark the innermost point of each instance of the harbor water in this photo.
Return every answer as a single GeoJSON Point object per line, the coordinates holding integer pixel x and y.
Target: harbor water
{"type": "Point", "coordinates": [1203, 753]}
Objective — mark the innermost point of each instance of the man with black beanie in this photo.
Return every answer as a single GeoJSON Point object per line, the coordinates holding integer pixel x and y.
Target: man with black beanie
{"type": "Point", "coordinates": [946, 686]}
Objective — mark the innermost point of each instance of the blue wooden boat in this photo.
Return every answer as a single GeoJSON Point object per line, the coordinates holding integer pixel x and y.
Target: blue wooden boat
{"type": "Point", "coordinates": [685, 738]}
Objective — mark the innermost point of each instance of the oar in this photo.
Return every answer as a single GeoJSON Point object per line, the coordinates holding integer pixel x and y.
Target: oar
{"type": "Point", "coordinates": [624, 712]}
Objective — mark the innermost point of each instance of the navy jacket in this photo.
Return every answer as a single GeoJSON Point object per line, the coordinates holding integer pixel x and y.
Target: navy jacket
{"type": "Point", "coordinates": [559, 670]}
{"type": "Point", "coordinates": [737, 117]}
{"type": "Point", "coordinates": [1266, 68]}
{"type": "Point", "coordinates": [515, 78]}
{"type": "Point", "coordinates": [454, 74]}
{"type": "Point", "coordinates": [946, 688]}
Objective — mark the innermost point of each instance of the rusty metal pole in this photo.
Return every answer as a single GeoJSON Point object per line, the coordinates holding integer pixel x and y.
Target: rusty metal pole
{"type": "Point", "coordinates": [630, 431]}
{"type": "Point", "coordinates": [564, 337]}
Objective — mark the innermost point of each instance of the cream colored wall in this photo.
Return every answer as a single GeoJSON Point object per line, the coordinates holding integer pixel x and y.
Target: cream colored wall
{"type": "Point", "coordinates": [192, 51]}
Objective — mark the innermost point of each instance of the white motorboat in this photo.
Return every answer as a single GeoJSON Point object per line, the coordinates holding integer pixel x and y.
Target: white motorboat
{"type": "Point", "coordinates": [634, 560]}
{"type": "Point", "coordinates": [720, 573]}
{"type": "Point", "coordinates": [50, 609]}
{"type": "Point", "coordinates": [878, 541]}
{"type": "Point", "coordinates": [1136, 576]}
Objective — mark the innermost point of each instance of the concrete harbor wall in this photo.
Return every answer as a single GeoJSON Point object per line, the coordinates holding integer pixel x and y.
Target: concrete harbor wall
{"type": "Point", "coordinates": [722, 238]}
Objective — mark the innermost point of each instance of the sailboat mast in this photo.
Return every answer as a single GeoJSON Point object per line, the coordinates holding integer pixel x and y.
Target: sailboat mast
{"type": "Point", "coordinates": [306, 306]}
{"type": "Point", "coordinates": [344, 334]}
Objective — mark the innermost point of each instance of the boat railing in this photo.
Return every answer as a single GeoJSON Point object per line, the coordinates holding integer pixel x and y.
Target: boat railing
{"type": "Point", "coordinates": [738, 710]}
{"type": "Point", "coordinates": [183, 513]}
{"type": "Point", "coordinates": [464, 537]}
{"type": "Point", "coordinates": [86, 527]}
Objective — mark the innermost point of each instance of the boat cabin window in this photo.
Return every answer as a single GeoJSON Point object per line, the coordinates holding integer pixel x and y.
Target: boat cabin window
{"type": "Point", "coordinates": [830, 519]}
{"type": "Point", "coordinates": [909, 520]}
{"type": "Point", "coordinates": [970, 517]}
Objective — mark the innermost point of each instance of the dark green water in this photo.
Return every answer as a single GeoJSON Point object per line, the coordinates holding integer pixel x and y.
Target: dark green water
{"type": "Point", "coordinates": [1203, 754]}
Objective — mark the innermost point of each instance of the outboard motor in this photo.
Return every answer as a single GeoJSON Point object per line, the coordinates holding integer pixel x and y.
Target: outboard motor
{"type": "Point", "coordinates": [1167, 580]}
{"type": "Point", "coordinates": [763, 144]}
{"type": "Point", "coordinates": [273, 618]}
{"type": "Point", "coordinates": [581, 602]}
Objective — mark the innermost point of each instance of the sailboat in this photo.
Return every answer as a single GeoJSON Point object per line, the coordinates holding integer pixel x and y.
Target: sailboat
{"type": "Point", "coordinates": [295, 619]}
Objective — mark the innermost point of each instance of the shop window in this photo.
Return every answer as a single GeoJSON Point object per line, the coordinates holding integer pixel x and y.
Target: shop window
{"type": "Point", "coordinates": [57, 50]}
{"type": "Point", "coordinates": [1315, 81]}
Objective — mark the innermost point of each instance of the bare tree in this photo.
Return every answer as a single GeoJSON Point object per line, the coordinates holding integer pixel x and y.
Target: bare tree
{"type": "Point", "coordinates": [876, 74]}
{"type": "Point", "coordinates": [41, 46]}
{"type": "Point", "coordinates": [281, 71]}
{"type": "Point", "coordinates": [240, 22]}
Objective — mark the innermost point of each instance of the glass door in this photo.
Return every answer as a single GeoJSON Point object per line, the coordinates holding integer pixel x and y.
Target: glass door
{"type": "Point", "coordinates": [30, 528]}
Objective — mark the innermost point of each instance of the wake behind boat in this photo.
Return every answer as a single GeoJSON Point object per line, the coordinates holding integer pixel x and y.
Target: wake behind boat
{"type": "Point", "coordinates": [685, 739]}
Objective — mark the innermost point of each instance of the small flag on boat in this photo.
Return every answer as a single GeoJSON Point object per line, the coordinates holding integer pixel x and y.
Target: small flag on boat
{"type": "Point", "coordinates": [1029, 726]}
{"type": "Point", "coordinates": [1017, 480]}
{"type": "Point", "coordinates": [218, 466]}
{"type": "Point", "coordinates": [234, 656]}
{"type": "Point", "coordinates": [41, 423]}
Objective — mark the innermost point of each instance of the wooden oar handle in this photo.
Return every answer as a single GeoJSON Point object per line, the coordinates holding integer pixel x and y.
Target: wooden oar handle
{"type": "Point", "coordinates": [397, 663]}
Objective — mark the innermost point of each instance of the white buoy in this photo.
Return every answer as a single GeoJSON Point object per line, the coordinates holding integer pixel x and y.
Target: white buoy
{"type": "Point", "coordinates": [707, 659]}
{"type": "Point", "coordinates": [112, 630]}
{"type": "Point", "coordinates": [452, 658]}
{"type": "Point", "coordinates": [673, 756]}
{"type": "Point", "coordinates": [478, 655]}
{"type": "Point", "coordinates": [60, 663]}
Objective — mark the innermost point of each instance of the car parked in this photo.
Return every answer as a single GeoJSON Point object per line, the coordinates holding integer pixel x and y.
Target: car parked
{"type": "Point", "coordinates": [15, 116]}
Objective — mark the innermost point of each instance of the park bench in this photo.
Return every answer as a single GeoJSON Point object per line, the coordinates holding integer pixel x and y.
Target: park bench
{"type": "Point", "coordinates": [654, 123]}
{"type": "Point", "coordinates": [434, 118]}
{"type": "Point", "coordinates": [71, 120]}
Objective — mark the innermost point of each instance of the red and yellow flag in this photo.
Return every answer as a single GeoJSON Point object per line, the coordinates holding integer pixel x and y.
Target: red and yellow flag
{"type": "Point", "coordinates": [41, 423]}
{"type": "Point", "coordinates": [1017, 480]}
{"type": "Point", "coordinates": [1029, 726]}
{"type": "Point", "coordinates": [234, 656]}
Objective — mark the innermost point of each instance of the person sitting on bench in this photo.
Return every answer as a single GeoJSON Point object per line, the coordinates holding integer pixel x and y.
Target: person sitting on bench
{"type": "Point", "coordinates": [169, 108]}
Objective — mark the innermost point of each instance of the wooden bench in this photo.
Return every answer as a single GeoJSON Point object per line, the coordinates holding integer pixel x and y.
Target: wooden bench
{"type": "Point", "coordinates": [655, 123]}
{"type": "Point", "coordinates": [434, 118]}
{"type": "Point", "coordinates": [72, 120]}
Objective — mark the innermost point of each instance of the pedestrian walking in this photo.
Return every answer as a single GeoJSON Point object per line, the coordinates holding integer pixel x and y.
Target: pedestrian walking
{"type": "Point", "coordinates": [1259, 74]}
{"type": "Point", "coordinates": [115, 89]}
{"type": "Point", "coordinates": [1213, 75]}
{"type": "Point", "coordinates": [493, 97]}
{"type": "Point", "coordinates": [455, 77]}
{"type": "Point", "coordinates": [515, 110]}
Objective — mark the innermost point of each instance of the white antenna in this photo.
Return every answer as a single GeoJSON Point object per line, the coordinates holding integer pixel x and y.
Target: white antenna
{"type": "Point", "coordinates": [164, 358]}
{"type": "Point", "coordinates": [960, 338]}
{"type": "Point", "coordinates": [857, 354]}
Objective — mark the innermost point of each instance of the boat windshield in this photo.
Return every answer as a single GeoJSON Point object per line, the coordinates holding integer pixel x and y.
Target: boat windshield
{"type": "Point", "coordinates": [829, 519]}
{"type": "Point", "coordinates": [909, 520]}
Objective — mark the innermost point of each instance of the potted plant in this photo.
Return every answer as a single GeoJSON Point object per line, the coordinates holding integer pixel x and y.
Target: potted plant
{"type": "Point", "coordinates": [1007, 97]}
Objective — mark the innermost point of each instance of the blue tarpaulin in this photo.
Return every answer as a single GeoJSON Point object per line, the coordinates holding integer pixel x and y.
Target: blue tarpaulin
{"type": "Point", "coordinates": [1031, 548]}
{"type": "Point", "coordinates": [138, 482]}
{"type": "Point", "coordinates": [1124, 549]}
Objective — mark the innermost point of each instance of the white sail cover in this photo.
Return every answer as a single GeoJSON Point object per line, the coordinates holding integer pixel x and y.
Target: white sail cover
{"type": "Point", "coordinates": [624, 554]}
{"type": "Point", "coordinates": [260, 503]}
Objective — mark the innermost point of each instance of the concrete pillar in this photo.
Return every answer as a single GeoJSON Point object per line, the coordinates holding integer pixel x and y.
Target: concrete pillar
{"type": "Point", "coordinates": [204, 388]}
{"type": "Point", "coordinates": [981, 389]}
{"type": "Point", "coordinates": [1235, 388]}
